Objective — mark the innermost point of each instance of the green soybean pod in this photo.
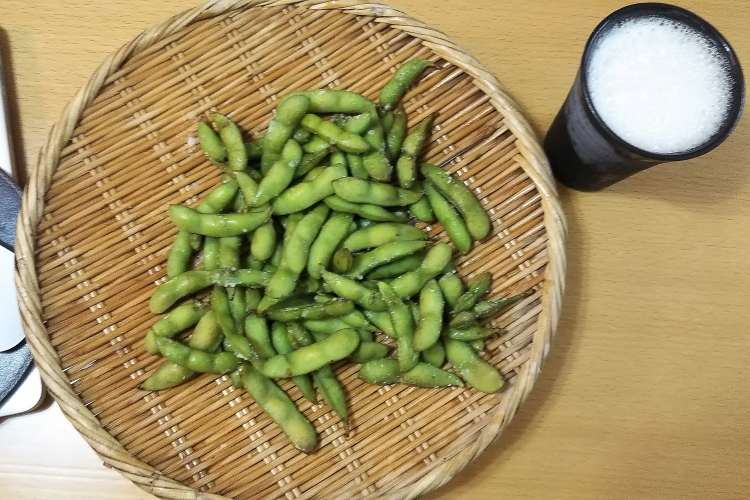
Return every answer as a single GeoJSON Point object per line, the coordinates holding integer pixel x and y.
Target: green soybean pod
{"type": "Point", "coordinates": [477, 345]}
{"type": "Point", "coordinates": [410, 283]}
{"type": "Point", "coordinates": [205, 337]}
{"type": "Point", "coordinates": [325, 326]}
{"type": "Point", "coordinates": [377, 166]}
{"type": "Point", "coordinates": [301, 135]}
{"type": "Point", "coordinates": [231, 136]}
{"type": "Point", "coordinates": [178, 260]}
{"type": "Point", "coordinates": [306, 194]}
{"type": "Point", "coordinates": [280, 173]}
{"type": "Point", "coordinates": [469, 332]}
{"type": "Point", "coordinates": [342, 261]}
{"type": "Point", "coordinates": [331, 234]}
{"type": "Point", "coordinates": [405, 75]}
{"type": "Point", "coordinates": [289, 113]}
{"type": "Point", "coordinates": [380, 234]}
{"type": "Point", "coordinates": [257, 331]}
{"type": "Point", "coordinates": [280, 408]}
{"type": "Point", "coordinates": [217, 225]}
{"type": "Point", "coordinates": [282, 345]}
{"type": "Point", "coordinates": [236, 341]}
{"type": "Point", "coordinates": [357, 166]}
{"type": "Point", "coordinates": [354, 291]}
{"type": "Point", "coordinates": [403, 324]}
{"type": "Point", "coordinates": [380, 372]}
{"type": "Point", "coordinates": [316, 145]}
{"type": "Point", "coordinates": [431, 306]}
{"type": "Point", "coordinates": [397, 267]}
{"type": "Point", "coordinates": [471, 210]}
{"type": "Point", "coordinates": [396, 133]}
{"type": "Point", "coordinates": [252, 299]}
{"type": "Point", "coordinates": [282, 284]}
{"type": "Point", "coordinates": [449, 218]}
{"type": "Point", "coordinates": [254, 148]}
{"type": "Point", "coordinates": [365, 210]}
{"type": "Point", "coordinates": [435, 354]}
{"type": "Point", "coordinates": [426, 375]}
{"type": "Point", "coordinates": [473, 369]}
{"type": "Point", "coordinates": [383, 255]}
{"type": "Point", "coordinates": [477, 288]}
{"type": "Point", "coordinates": [231, 277]}
{"type": "Point", "coordinates": [263, 242]}
{"type": "Point", "coordinates": [368, 351]}
{"type": "Point", "coordinates": [248, 185]}
{"type": "Point", "coordinates": [177, 288]}
{"type": "Point", "coordinates": [326, 101]}
{"type": "Point", "coordinates": [335, 347]}
{"type": "Point", "coordinates": [406, 167]}
{"type": "Point", "coordinates": [334, 308]}
{"type": "Point", "coordinates": [297, 249]}
{"type": "Point", "coordinates": [374, 193]}
{"type": "Point", "coordinates": [178, 320]}
{"type": "Point", "coordinates": [210, 143]}
{"type": "Point", "coordinates": [387, 121]}
{"type": "Point", "coordinates": [211, 253]}
{"type": "Point", "coordinates": [310, 161]}
{"type": "Point", "coordinates": [333, 392]}
{"type": "Point", "coordinates": [358, 124]}
{"type": "Point", "coordinates": [422, 209]}
{"type": "Point", "coordinates": [229, 251]}
{"type": "Point", "coordinates": [381, 320]}
{"type": "Point", "coordinates": [194, 359]}
{"type": "Point", "coordinates": [452, 287]}
{"type": "Point", "coordinates": [348, 142]}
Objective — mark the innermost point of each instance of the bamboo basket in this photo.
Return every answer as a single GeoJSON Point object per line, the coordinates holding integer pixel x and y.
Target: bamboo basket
{"type": "Point", "coordinates": [93, 238]}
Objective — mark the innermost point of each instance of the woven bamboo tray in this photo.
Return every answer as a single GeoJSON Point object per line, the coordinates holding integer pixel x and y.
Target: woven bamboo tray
{"type": "Point", "coordinates": [93, 238]}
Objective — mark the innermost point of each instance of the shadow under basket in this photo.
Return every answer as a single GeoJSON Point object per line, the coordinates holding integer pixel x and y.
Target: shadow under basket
{"type": "Point", "coordinates": [94, 235]}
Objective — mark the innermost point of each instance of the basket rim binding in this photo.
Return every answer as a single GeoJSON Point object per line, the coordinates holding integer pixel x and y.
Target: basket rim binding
{"type": "Point", "coordinates": [531, 158]}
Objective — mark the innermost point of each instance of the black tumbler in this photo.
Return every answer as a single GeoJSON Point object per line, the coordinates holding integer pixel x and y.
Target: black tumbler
{"type": "Point", "coordinates": [585, 154]}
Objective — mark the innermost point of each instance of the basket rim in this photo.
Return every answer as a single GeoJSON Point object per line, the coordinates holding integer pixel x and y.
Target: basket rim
{"type": "Point", "coordinates": [531, 158]}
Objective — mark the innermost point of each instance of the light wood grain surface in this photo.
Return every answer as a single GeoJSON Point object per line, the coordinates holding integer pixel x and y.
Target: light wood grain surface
{"type": "Point", "coordinates": [645, 392]}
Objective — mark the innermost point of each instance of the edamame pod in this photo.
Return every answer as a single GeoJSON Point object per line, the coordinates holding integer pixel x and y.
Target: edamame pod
{"type": "Point", "coordinates": [405, 75]}
{"type": "Point", "coordinates": [217, 225]}
{"type": "Point", "coordinates": [477, 287]}
{"type": "Point", "coordinates": [178, 320]}
{"type": "Point", "coordinates": [345, 141]}
{"type": "Point", "coordinates": [449, 218]}
{"type": "Point", "coordinates": [307, 194]}
{"type": "Point", "coordinates": [383, 255]}
{"type": "Point", "coordinates": [282, 345]}
{"type": "Point", "coordinates": [354, 291]}
{"type": "Point", "coordinates": [365, 210]}
{"type": "Point", "coordinates": [231, 136]}
{"type": "Point", "coordinates": [476, 218]}
{"type": "Point", "coordinates": [333, 231]}
{"type": "Point", "coordinates": [280, 174]}
{"type": "Point", "coordinates": [473, 369]}
{"type": "Point", "coordinates": [205, 337]}
{"type": "Point", "coordinates": [430, 324]}
{"type": "Point", "coordinates": [194, 359]}
{"type": "Point", "coordinates": [377, 235]}
{"type": "Point", "coordinates": [280, 408]}
{"type": "Point", "coordinates": [374, 193]}
{"type": "Point", "coordinates": [406, 167]}
{"type": "Point", "coordinates": [403, 325]}
{"type": "Point", "coordinates": [410, 283]}
{"type": "Point", "coordinates": [289, 113]}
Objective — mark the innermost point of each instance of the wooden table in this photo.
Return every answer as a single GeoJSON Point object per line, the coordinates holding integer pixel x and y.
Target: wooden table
{"type": "Point", "coordinates": [645, 392]}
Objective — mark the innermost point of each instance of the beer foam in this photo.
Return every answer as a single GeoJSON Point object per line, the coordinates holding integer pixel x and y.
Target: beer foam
{"type": "Point", "coordinates": [660, 85]}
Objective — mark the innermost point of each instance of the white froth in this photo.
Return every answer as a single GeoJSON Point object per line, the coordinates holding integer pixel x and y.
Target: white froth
{"type": "Point", "coordinates": [659, 85]}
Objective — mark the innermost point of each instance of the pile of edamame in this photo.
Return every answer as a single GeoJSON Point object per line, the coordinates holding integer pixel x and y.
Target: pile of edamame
{"type": "Point", "coordinates": [308, 253]}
